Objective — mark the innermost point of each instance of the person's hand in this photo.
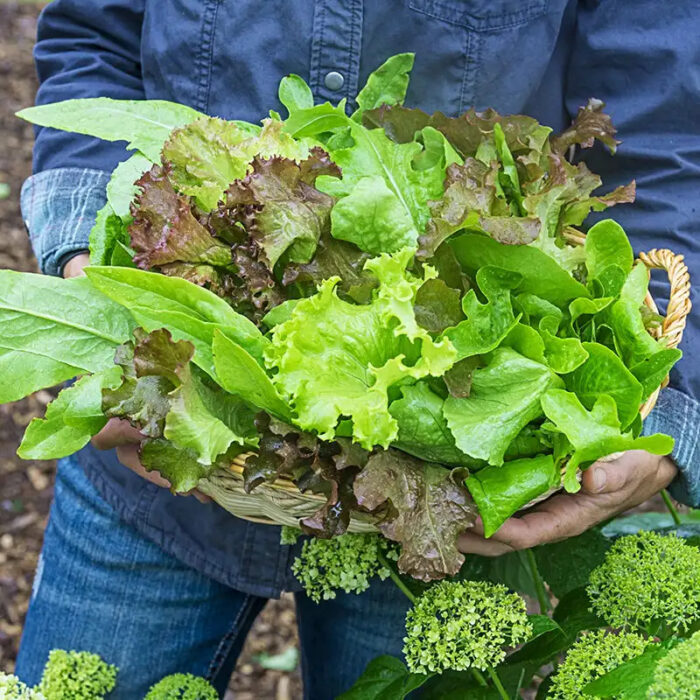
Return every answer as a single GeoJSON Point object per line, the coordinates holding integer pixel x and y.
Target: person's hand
{"type": "Point", "coordinates": [607, 488]}
{"type": "Point", "coordinates": [120, 434]}
{"type": "Point", "coordinates": [74, 267]}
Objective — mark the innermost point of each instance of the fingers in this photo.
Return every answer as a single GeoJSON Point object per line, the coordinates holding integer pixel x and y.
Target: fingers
{"type": "Point", "coordinates": [74, 267]}
{"type": "Point", "coordinates": [472, 543]}
{"type": "Point", "coordinates": [129, 456]}
{"type": "Point", "coordinates": [117, 432]}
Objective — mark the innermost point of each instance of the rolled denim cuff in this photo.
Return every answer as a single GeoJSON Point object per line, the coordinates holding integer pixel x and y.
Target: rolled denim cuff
{"type": "Point", "coordinates": [59, 208]}
{"type": "Point", "coordinates": [678, 415]}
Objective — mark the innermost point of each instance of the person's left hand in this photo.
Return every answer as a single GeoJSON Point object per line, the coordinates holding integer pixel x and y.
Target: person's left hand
{"type": "Point", "coordinates": [607, 488]}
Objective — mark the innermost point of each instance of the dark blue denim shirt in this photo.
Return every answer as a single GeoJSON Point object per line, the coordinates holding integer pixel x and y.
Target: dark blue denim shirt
{"type": "Point", "coordinates": [226, 57]}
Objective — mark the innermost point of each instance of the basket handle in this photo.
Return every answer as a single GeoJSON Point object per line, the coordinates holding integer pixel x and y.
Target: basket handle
{"type": "Point", "coordinates": [679, 299]}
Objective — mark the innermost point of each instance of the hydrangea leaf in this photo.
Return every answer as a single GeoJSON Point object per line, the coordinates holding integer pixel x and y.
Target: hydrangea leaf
{"type": "Point", "coordinates": [489, 323]}
{"type": "Point", "coordinates": [503, 490]}
{"type": "Point", "coordinates": [541, 275]}
{"type": "Point", "coordinates": [71, 419]}
{"type": "Point", "coordinates": [504, 398]}
{"type": "Point", "coordinates": [423, 430]}
{"type": "Point", "coordinates": [334, 358]}
{"type": "Point", "coordinates": [279, 206]}
{"type": "Point", "coordinates": [604, 373]}
{"type": "Point", "coordinates": [386, 85]}
{"type": "Point", "coordinates": [596, 433]}
{"type": "Point", "coordinates": [429, 510]}
{"type": "Point", "coordinates": [385, 678]}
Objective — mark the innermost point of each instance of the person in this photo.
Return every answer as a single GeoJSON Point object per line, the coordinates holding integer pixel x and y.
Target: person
{"type": "Point", "coordinates": [158, 584]}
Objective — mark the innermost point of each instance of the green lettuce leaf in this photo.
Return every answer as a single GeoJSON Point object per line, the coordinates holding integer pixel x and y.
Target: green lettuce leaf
{"type": "Point", "coordinates": [607, 246]}
{"type": "Point", "coordinates": [504, 398]}
{"type": "Point", "coordinates": [423, 430]}
{"type": "Point", "coordinates": [72, 418]}
{"type": "Point", "coordinates": [605, 373]}
{"type": "Point", "coordinates": [501, 491]}
{"type": "Point", "coordinates": [486, 324]}
{"type": "Point", "coordinates": [54, 330]}
{"type": "Point", "coordinates": [107, 232]}
{"type": "Point", "coordinates": [594, 434]}
{"type": "Point", "coordinates": [386, 85]}
{"type": "Point", "coordinates": [437, 306]}
{"type": "Point", "coordinates": [122, 187]}
{"type": "Point", "coordinates": [145, 124]}
{"type": "Point", "coordinates": [190, 312]}
{"type": "Point", "coordinates": [337, 359]}
{"type": "Point", "coordinates": [429, 509]}
{"type": "Point", "coordinates": [176, 464]}
{"type": "Point", "coordinates": [294, 93]}
{"type": "Point", "coordinates": [541, 275]}
{"type": "Point", "coordinates": [402, 190]}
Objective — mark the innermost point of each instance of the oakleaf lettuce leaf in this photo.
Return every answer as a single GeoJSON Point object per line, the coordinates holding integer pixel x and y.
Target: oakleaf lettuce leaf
{"type": "Point", "coordinates": [333, 358]}
{"type": "Point", "coordinates": [279, 206]}
{"type": "Point", "coordinates": [504, 398]}
{"type": "Point", "coordinates": [590, 123]}
{"type": "Point", "coordinates": [429, 509]}
{"type": "Point", "coordinates": [594, 434]}
{"type": "Point", "coordinates": [386, 85]}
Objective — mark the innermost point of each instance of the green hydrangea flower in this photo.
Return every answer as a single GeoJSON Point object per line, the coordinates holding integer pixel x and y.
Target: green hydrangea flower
{"type": "Point", "coordinates": [463, 624]}
{"type": "Point", "coordinates": [289, 534]}
{"type": "Point", "coordinates": [76, 675]}
{"type": "Point", "coordinates": [648, 580]}
{"type": "Point", "coordinates": [590, 657]}
{"type": "Point", "coordinates": [677, 675]}
{"type": "Point", "coordinates": [12, 688]}
{"type": "Point", "coordinates": [346, 563]}
{"type": "Point", "coordinates": [182, 686]}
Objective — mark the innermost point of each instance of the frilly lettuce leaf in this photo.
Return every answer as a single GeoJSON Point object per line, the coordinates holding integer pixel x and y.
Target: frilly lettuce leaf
{"type": "Point", "coordinates": [590, 123]}
{"type": "Point", "coordinates": [205, 157]}
{"type": "Point", "coordinates": [504, 398]}
{"type": "Point", "coordinates": [429, 509]}
{"type": "Point", "coordinates": [334, 358]}
{"type": "Point", "coordinates": [279, 207]}
{"type": "Point", "coordinates": [593, 434]}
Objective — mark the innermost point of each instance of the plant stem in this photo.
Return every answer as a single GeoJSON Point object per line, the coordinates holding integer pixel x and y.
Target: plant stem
{"type": "Point", "coordinates": [497, 682]}
{"type": "Point", "coordinates": [479, 677]}
{"type": "Point", "coordinates": [671, 508]}
{"type": "Point", "coordinates": [537, 580]}
{"type": "Point", "coordinates": [396, 578]}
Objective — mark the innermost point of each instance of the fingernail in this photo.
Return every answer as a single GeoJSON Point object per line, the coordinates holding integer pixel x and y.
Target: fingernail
{"type": "Point", "coordinates": [599, 479]}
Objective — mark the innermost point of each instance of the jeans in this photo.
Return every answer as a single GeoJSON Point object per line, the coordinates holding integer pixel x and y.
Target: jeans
{"type": "Point", "coordinates": [102, 587]}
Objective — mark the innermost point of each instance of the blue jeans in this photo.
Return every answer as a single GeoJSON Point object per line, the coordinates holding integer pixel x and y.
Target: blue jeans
{"type": "Point", "coordinates": [100, 586]}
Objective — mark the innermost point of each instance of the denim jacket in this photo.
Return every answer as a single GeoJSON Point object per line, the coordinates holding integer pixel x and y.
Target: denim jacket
{"type": "Point", "coordinates": [226, 57]}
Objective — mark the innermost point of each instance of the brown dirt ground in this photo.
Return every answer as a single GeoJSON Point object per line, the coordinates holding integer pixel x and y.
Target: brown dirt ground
{"type": "Point", "coordinates": [26, 487]}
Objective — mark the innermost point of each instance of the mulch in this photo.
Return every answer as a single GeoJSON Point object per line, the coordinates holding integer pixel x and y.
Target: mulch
{"type": "Point", "coordinates": [26, 487]}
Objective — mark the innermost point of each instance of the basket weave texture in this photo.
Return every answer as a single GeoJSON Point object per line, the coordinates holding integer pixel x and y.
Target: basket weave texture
{"type": "Point", "coordinates": [281, 502]}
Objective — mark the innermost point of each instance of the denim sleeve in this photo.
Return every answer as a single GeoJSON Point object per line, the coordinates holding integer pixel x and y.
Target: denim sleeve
{"type": "Point", "coordinates": [643, 61]}
{"type": "Point", "coordinates": [86, 48]}
{"type": "Point", "coordinates": [59, 207]}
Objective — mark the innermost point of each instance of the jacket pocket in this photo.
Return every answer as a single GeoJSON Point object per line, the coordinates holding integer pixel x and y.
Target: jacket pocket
{"type": "Point", "coordinates": [482, 15]}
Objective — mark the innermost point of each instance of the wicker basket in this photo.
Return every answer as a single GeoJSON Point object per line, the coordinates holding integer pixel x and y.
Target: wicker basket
{"type": "Point", "coordinates": [281, 503]}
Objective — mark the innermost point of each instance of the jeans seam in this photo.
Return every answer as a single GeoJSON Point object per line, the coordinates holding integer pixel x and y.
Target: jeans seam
{"type": "Point", "coordinates": [224, 647]}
